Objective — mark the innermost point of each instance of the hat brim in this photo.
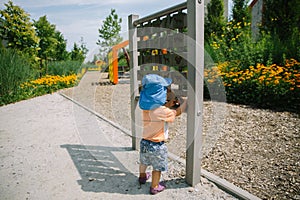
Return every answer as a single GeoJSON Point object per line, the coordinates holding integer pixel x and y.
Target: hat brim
{"type": "Point", "coordinates": [168, 82]}
{"type": "Point", "coordinates": [154, 79]}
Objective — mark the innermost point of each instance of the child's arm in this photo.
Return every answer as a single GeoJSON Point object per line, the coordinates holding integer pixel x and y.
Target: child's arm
{"type": "Point", "coordinates": [166, 114]}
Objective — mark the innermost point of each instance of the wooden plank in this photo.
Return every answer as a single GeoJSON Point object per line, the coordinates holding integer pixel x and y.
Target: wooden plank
{"type": "Point", "coordinates": [142, 44]}
{"type": "Point", "coordinates": [179, 40]}
{"type": "Point", "coordinates": [141, 32]}
{"type": "Point", "coordinates": [177, 60]}
{"type": "Point", "coordinates": [164, 42]}
{"type": "Point", "coordinates": [177, 78]}
{"type": "Point", "coordinates": [156, 23]}
{"type": "Point", "coordinates": [165, 22]}
{"type": "Point", "coordinates": [147, 59]}
{"type": "Point", "coordinates": [141, 73]}
{"type": "Point", "coordinates": [180, 93]}
{"type": "Point", "coordinates": [153, 43]}
{"type": "Point", "coordinates": [229, 187]}
{"type": "Point", "coordinates": [161, 13]}
{"type": "Point", "coordinates": [166, 59]}
{"type": "Point", "coordinates": [179, 21]}
{"type": "Point", "coordinates": [174, 40]}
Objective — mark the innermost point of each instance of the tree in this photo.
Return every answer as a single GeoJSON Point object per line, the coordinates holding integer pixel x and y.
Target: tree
{"type": "Point", "coordinates": [79, 51]}
{"type": "Point", "coordinates": [282, 18]}
{"type": "Point", "coordinates": [240, 11]}
{"type": "Point", "coordinates": [46, 32]}
{"type": "Point", "coordinates": [61, 52]}
{"type": "Point", "coordinates": [52, 45]}
{"type": "Point", "coordinates": [110, 32]}
{"type": "Point", "coordinates": [17, 30]}
{"type": "Point", "coordinates": [214, 20]}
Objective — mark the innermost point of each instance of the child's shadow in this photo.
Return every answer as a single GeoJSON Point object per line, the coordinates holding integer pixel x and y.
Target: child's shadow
{"type": "Point", "coordinates": [101, 170]}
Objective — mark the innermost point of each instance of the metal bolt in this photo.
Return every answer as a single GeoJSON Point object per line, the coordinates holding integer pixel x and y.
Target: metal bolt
{"type": "Point", "coordinates": [199, 1]}
{"type": "Point", "coordinates": [198, 113]}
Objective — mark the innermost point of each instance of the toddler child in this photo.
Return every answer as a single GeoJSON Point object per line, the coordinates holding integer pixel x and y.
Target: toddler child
{"type": "Point", "coordinates": [156, 101]}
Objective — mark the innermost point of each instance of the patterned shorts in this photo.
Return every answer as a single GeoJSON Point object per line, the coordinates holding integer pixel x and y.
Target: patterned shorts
{"type": "Point", "coordinates": [154, 154]}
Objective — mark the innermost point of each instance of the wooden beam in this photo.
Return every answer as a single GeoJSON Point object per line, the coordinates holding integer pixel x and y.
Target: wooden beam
{"type": "Point", "coordinates": [195, 57]}
{"type": "Point", "coordinates": [161, 13]}
{"type": "Point", "coordinates": [135, 111]}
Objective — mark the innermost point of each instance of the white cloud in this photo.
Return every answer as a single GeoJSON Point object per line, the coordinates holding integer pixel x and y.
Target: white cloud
{"type": "Point", "coordinates": [82, 18]}
{"type": "Point", "coordinates": [48, 3]}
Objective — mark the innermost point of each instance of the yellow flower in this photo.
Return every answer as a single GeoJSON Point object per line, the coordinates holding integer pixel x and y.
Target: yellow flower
{"type": "Point", "coordinates": [261, 78]}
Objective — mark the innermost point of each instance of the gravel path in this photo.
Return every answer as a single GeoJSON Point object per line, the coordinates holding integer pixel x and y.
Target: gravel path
{"type": "Point", "coordinates": [255, 149]}
{"type": "Point", "coordinates": [51, 148]}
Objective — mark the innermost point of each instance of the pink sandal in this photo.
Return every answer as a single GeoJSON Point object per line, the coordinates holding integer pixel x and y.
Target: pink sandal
{"type": "Point", "coordinates": [158, 189]}
{"type": "Point", "coordinates": [144, 180]}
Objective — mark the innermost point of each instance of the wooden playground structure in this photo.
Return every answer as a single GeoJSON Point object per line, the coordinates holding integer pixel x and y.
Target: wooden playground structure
{"type": "Point", "coordinates": [171, 43]}
{"type": "Point", "coordinates": [113, 64]}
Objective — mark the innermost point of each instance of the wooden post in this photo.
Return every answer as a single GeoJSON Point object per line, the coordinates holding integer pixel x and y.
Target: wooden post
{"type": "Point", "coordinates": [195, 10]}
{"type": "Point", "coordinates": [115, 64]}
{"type": "Point", "coordinates": [133, 54]}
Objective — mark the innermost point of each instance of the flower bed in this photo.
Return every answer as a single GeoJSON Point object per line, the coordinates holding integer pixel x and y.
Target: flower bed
{"type": "Point", "coordinates": [261, 85]}
{"type": "Point", "coordinates": [45, 85]}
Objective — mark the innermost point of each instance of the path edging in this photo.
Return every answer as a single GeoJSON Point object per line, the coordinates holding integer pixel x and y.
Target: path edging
{"type": "Point", "coordinates": [221, 183]}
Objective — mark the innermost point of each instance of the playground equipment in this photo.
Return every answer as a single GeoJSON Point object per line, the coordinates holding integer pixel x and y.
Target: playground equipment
{"type": "Point", "coordinates": [159, 43]}
{"type": "Point", "coordinates": [113, 69]}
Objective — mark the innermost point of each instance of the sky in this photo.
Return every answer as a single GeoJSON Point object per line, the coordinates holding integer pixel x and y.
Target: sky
{"type": "Point", "coordinates": [77, 19]}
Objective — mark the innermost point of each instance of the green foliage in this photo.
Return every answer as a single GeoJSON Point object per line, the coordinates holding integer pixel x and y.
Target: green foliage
{"type": "Point", "coordinates": [240, 11]}
{"type": "Point", "coordinates": [45, 85]}
{"type": "Point", "coordinates": [123, 62]}
{"type": "Point", "coordinates": [263, 72]}
{"type": "Point", "coordinates": [61, 46]}
{"type": "Point", "coordinates": [14, 70]}
{"type": "Point", "coordinates": [214, 20]}
{"type": "Point", "coordinates": [22, 85]}
{"type": "Point", "coordinates": [281, 18]}
{"type": "Point", "coordinates": [78, 53]}
{"type": "Point", "coordinates": [52, 45]}
{"type": "Point", "coordinates": [110, 32]}
{"type": "Point", "coordinates": [46, 32]}
{"type": "Point", "coordinates": [267, 86]}
{"type": "Point", "coordinates": [17, 30]}
{"type": "Point", "coordinates": [63, 68]}
{"type": "Point", "coordinates": [23, 44]}
{"type": "Point", "coordinates": [236, 45]}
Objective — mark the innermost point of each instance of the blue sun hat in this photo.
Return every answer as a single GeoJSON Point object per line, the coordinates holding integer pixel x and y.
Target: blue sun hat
{"type": "Point", "coordinates": [154, 91]}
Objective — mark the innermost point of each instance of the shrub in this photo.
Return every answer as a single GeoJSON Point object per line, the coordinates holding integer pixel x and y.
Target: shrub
{"type": "Point", "coordinates": [237, 45]}
{"type": "Point", "coordinates": [45, 85]}
{"type": "Point", "coordinates": [259, 85]}
{"type": "Point", "coordinates": [14, 70]}
{"type": "Point", "coordinates": [63, 68]}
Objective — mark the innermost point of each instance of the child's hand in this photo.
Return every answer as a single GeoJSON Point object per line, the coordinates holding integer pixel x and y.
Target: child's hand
{"type": "Point", "coordinates": [182, 100]}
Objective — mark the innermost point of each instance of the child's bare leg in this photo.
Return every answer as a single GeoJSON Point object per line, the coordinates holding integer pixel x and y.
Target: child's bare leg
{"type": "Point", "coordinates": [155, 178]}
{"type": "Point", "coordinates": [143, 171]}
